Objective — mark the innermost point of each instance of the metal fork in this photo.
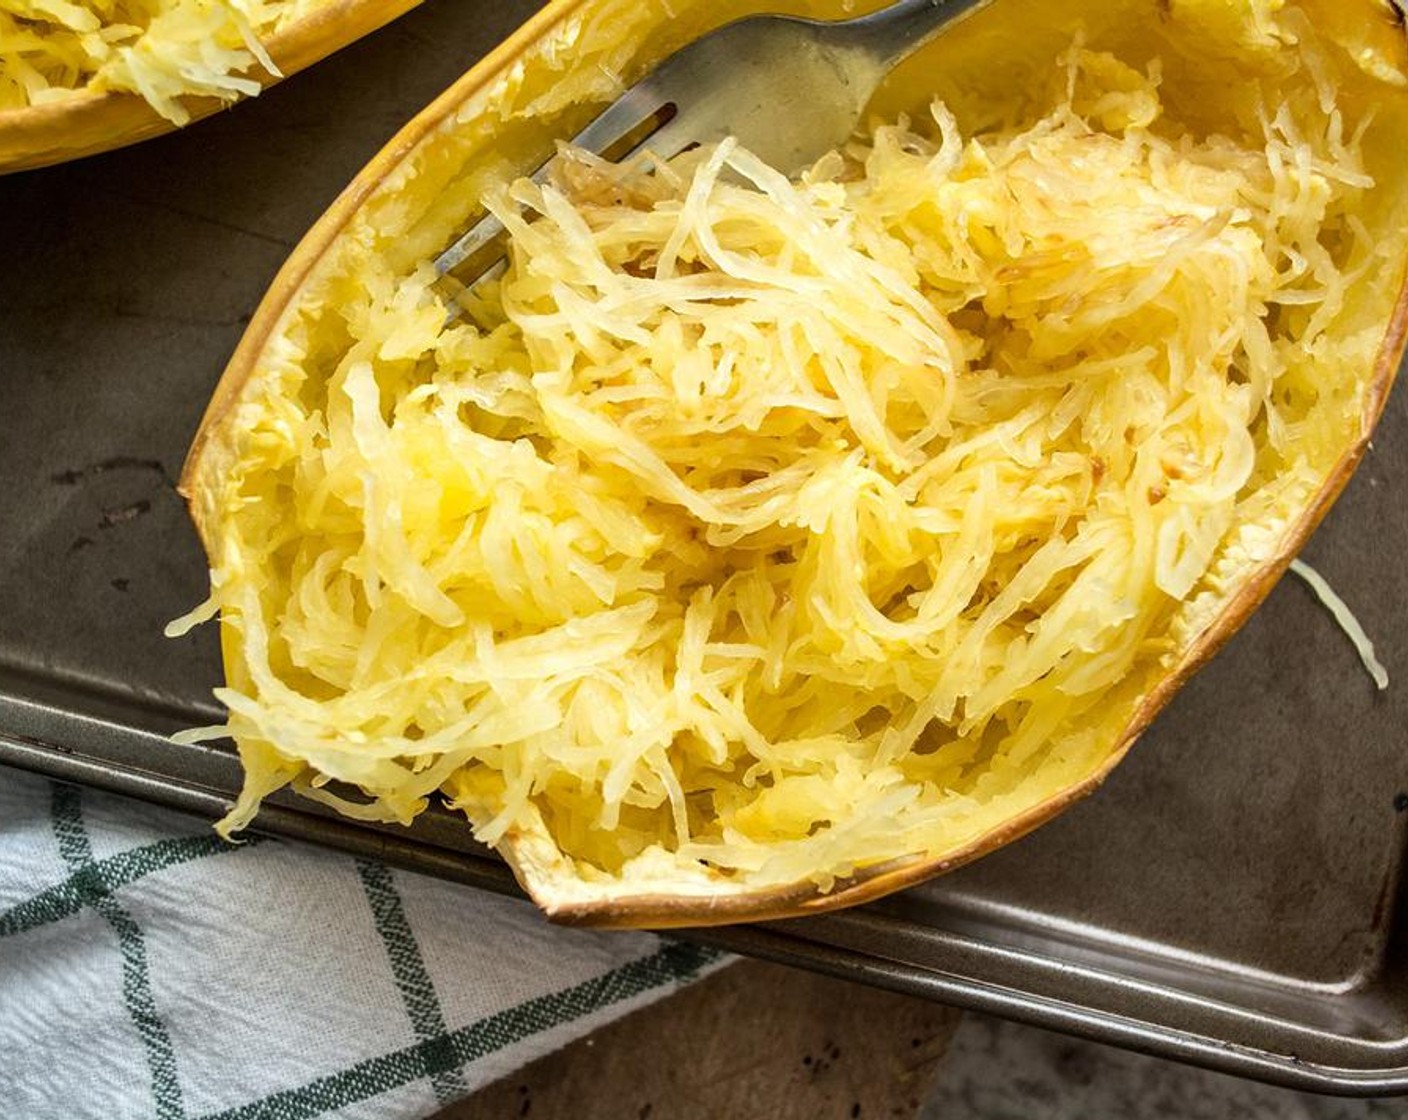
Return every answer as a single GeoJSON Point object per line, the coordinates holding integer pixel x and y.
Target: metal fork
{"type": "Point", "coordinates": [790, 89]}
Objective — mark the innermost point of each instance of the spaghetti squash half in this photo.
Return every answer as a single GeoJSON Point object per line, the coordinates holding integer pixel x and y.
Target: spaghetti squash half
{"type": "Point", "coordinates": [82, 76]}
{"type": "Point", "coordinates": [757, 546]}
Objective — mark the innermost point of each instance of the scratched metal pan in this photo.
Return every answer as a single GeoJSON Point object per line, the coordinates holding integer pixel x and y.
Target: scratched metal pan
{"type": "Point", "coordinates": [1231, 897]}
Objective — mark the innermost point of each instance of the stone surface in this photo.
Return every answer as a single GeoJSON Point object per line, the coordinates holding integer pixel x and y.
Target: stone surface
{"type": "Point", "coordinates": [754, 1040]}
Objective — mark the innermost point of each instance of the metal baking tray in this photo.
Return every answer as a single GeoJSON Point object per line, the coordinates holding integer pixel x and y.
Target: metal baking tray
{"type": "Point", "coordinates": [1231, 897]}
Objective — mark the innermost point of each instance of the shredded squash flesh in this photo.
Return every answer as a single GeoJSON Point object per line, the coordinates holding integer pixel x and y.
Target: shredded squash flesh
{"type": "Point", "coordinates": [774, 529]}
{"type": "Point", "coordinates": [162, 50]}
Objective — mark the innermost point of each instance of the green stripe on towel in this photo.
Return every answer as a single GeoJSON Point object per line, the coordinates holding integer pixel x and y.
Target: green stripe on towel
{"type": "Point", "coordinates": [65, 899]}
{"type": "Point", "coordinates": [74, 846]}
{"type": "Point", "coordinates": [417, 989]}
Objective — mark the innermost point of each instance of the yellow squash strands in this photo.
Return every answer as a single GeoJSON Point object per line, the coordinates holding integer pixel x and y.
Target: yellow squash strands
{"type": "Point", "coordinates": [1345, 619]}
{"type": "Point", "coordinates": [762, 533]}
{"type": "Point", "coordinates": [162, 50]}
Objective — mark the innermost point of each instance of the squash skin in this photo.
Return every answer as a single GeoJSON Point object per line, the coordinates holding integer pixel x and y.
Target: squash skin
{"type": "Point", "coordinates": [95, 122]}
{"type": "Point", "coordinates": [532, 854]}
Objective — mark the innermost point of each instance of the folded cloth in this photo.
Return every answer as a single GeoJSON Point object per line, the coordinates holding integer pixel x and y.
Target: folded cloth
{"type": "Point", "coordinates": [148, 969]}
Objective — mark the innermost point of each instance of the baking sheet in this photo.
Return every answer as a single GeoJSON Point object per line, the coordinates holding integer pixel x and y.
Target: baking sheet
{"type": "Point", "coordinates": [1231, 897]}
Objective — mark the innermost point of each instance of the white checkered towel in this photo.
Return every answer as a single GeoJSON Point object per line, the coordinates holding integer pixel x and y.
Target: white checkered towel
{"type": "Point", "coordinates": [148, 969]}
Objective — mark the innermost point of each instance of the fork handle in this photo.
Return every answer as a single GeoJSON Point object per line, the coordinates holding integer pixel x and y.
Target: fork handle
{"type": "Point", "coordinates": [894, 33]}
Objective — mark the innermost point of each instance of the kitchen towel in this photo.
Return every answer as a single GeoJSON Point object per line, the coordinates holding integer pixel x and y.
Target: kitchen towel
{"type": "Point", "coordinates": [149, 969]}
